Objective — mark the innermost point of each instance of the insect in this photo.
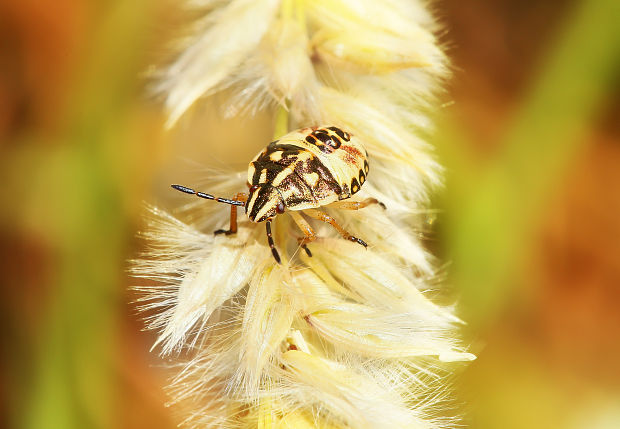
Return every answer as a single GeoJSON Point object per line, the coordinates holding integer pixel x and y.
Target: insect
{"type": "Point", "coordinates": [302, 171]}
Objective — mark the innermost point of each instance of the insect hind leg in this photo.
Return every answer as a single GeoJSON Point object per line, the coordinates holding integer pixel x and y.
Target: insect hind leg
{"type": "Point", "coordinates": [324, 217]}
{"type": "Point", "coordinates": [356, 205]}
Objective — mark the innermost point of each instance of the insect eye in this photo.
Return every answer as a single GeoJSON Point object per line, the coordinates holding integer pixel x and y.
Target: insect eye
{"type": "Point", "coordinates": [254, 188]}
{"type": "Point", "coordinates": [280, 207]}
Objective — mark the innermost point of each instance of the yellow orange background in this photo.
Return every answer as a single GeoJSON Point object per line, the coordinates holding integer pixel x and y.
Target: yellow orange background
{"type": "Point", "coordinates": [530, 216]}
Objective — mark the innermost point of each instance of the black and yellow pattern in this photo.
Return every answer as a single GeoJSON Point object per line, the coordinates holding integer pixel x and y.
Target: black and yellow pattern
{"type": "Point", "coordinates": [303, 170]}
{"type": "Point", "coordinates": [307, 168]}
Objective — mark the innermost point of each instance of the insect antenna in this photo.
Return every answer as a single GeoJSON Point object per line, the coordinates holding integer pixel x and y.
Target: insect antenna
{"type": "Point", "coordinates": [190, 191]}
{"type": "Point", "coordinates": [274, 251]}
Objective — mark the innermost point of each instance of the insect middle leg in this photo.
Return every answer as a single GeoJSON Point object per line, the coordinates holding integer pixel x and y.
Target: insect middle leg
{"type": "Point", "coordinates": [243, 197]}
{"type": "Point", "coordinates": [356, 205]}
{"type": "Point", "coordinates": [324, 217]}
{"type": "Point", "coordinates": [309, 234]}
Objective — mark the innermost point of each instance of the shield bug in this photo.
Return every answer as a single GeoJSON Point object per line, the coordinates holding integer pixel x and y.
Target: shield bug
{"type": "Point", "coordinates": [300, 172]}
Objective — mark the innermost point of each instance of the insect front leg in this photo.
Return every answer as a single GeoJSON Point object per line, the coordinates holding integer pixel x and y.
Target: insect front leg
{"type": "Point", "coordinates": [309, 234]}
{"type": "Point", "coordinates": [272, 246]}
{"type": "Point", "coordinates": [242, 197]}
{"type": "Point", "coordinates": [356, 205]}
{"type": "Point", "coordinates": [324, 217]}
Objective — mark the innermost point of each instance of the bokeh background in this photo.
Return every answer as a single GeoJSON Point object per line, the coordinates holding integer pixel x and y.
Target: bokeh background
{"type": "Point", "coordinates": [530, 215]}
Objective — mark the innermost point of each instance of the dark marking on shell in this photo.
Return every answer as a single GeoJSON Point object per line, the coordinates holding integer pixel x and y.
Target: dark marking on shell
{"type": "Point", "coordinates": [346, 193]}
{"type": "Point", "coordinates": [295, 191]}
{"type": "Point", "coordinates": [366, 166]}
{"type": "Point", "coordinates": [355, 186]}
{"type": "Point", "coordinates": [325, 139]}
{"type": "Point", "coordinates": [326, 184]}
{"type": "Point", "coordinates": [328, 145]}
{"type": "Point", "coordinates": [329, 140]}
{"type": "Point", "coordinates": [342, 134]}
{"type": "Point", "coordinates": [263, 195]}
{"type": "Point", "coordinates": [362, 177]}
{"type": "Point", "coordinates": [304, 163]}
{"type": "Point", "coordinates": [264, 162]}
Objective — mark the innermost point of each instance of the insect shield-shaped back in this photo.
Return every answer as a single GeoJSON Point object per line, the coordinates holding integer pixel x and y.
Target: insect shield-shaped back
{"type": "Point", "coordinates": [311, 167]}
{"type": "Point", "coordinates": [264, 202]}
{"type": "Point", "coordinates": [303, 170]}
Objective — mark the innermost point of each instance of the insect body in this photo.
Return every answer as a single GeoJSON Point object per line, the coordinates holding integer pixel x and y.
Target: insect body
{"type": "Point", "coordinates": [303, 170]}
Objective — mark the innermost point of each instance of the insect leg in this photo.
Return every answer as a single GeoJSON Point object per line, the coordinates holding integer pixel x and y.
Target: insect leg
{"type": "Point", "coordinates": [356, 205]}
{"type": "Point", "coordinates": [233, 215]}
{"type": "Point", "coordinates": [324, 217]}
{"type": "Point", "coordinates": [309, 234]}
{"type": "Point", "coordinates": [274, 251]}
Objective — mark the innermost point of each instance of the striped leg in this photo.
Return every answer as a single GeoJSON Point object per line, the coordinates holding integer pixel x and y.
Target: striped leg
{"type": "Point", "coordinates": [309, 234]}
{"type": "Point", "coordinates": [242, 197]}
{"type": "Point", "coordinates": [356, 205]}
{"type": "Point", "coordinates": [324, 217]}
{"type": "Point", "coordinates": [272, 246]}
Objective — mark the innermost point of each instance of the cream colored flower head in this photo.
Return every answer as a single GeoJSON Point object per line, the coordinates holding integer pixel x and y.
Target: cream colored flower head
{"type": "Point", "coordinates": [349, 336]}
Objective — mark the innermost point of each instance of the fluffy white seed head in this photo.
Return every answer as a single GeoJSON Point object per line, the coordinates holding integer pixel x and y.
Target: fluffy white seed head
{"type": "Point", "coordinates": [350, 337]}
{"type": "Point", "coordinates": [232, 32]}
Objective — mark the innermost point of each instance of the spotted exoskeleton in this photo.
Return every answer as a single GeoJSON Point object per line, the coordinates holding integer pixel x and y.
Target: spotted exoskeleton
{"type": "Point", "coordinates": [300, 172]}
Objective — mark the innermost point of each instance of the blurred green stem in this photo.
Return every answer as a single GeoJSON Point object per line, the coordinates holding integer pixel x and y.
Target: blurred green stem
{"type": "Point", "coordinates": [281, 127]}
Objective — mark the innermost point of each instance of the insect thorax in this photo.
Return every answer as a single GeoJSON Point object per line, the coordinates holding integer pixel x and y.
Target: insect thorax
{"type": "Point", "coordinates": [309, 168]}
